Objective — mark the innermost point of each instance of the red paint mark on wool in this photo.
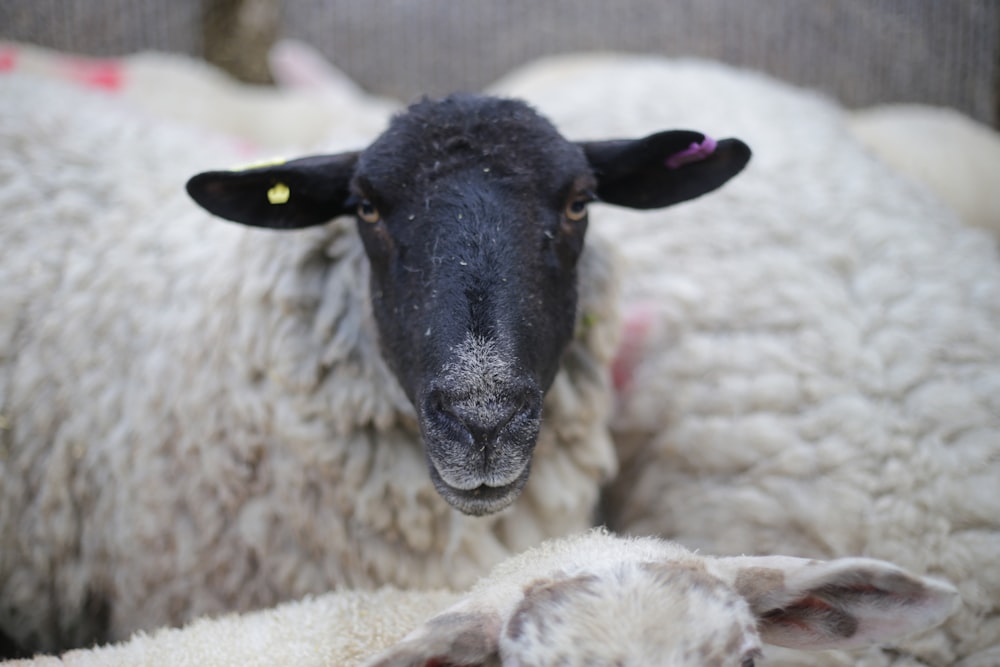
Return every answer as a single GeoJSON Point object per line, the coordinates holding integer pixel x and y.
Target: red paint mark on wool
{"type": "Point", "coordinates": [638, 322]}
{"type": "Point", "coordinates": [106, 75]}
{"type": "Point", "coordinates": [8, 59]}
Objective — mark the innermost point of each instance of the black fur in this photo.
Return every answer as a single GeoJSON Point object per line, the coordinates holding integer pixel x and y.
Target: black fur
{"type": "Point", "coordinates": [473, 221]}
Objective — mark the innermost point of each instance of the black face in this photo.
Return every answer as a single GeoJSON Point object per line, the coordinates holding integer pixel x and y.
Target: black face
{"type": "Point", "coordinates": [473, 212]}
{"type": "Point", "coordinates": [473, 216]}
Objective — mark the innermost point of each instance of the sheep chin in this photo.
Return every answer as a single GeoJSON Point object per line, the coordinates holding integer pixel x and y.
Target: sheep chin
{"type": "Point", "coordinates": [482, 500]}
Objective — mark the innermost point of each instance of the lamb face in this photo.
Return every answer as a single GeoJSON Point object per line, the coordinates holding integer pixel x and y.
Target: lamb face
{"type": "Point", "coordinates": [597, 599]}
{"type": "Point", "coordinates": [473, 212]}
{"type": "Point", "coordinates": [635, 614]}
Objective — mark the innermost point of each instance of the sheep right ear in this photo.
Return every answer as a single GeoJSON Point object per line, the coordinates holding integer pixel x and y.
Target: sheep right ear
{"type": "Point", "coordinates": [664, 168]}
{"type": "Point", "coordinates": [279, 195]}
{"type": "Point", "coordinates": [451, 639]}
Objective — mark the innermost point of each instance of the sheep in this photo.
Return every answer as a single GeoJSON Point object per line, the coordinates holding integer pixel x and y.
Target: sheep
{"type": "Point", "coordinates": [197, 416]}
{"type": "Point", "coordinates": [590, 599]}
{"type": "Point", "coordinates": [953, 155]}
{"type": "Point", "coordinates": [810, 363]}
{"type": "Point", "coordinates": [191, 92]}
{"type": "Point", "coordinates": [473, 268]}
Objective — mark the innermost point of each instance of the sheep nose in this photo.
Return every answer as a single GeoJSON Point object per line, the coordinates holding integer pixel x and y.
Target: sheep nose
{"type": "Point", "coordinates": [483, 418]}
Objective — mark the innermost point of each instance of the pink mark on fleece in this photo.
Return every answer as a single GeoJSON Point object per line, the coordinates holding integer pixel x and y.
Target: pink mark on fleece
{"type": "Point", "coordinates": [638, 322]}
{"type": "Point", "coordinates": [8, 60]}
{"type": "Point", "coordinates": [693, 153]}
{"type": "Point", "coordinates": [106, 75]}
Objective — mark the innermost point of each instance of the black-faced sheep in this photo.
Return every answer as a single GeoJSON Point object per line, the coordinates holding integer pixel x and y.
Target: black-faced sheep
{"type": "Point", "coordinates": [591, 599]}
{"type": "Point", "coordinates": [473, 212]}
{"type": "Point", "coordinates": [195, 416]}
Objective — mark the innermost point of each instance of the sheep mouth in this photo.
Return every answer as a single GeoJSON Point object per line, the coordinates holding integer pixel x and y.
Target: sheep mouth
{"type": "Point", "coordinates": [483, 499]}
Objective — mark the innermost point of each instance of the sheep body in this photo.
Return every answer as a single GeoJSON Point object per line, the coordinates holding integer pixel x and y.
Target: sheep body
{"type": "Point", "coordinates": [137, 339]}
{"type": "Point", "coordinates": [192, 93]}
{"type": "Point", "coordinates": [343, 629]}
{"type": "Point", "coordinates": [811, 363]}
{"type": "Point", "coordinates": [954, 156]}
{"type": "Point", "coordinates": [643, 584]}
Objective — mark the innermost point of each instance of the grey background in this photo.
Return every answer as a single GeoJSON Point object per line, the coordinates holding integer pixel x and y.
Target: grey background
{"type": "Point", "coordinates": [863, 52]}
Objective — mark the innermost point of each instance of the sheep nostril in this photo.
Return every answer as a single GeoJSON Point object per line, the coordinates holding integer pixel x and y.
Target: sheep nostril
{"type": "Point", "coordinates": [482, 418]}
{"type": "Point", "coordinates": [439, 406]}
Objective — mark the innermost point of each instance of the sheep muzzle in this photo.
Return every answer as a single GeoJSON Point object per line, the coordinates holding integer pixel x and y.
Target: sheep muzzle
{"type": "Point", "coordinates": [480, 421]}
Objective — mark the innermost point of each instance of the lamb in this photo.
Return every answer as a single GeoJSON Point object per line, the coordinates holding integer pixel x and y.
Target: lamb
{"type": "Point", "coordinates": [590, 599]}
{"type": "Point", "coordinates": [811, 363]}
{"type": "Point", "coordinates": [197, 416]}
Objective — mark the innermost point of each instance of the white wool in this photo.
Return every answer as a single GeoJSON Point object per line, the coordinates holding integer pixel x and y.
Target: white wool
{"type": "Point", "coordinates": [195, 94]}
{"type": "Point", "coordinates": [942, 149]}
{"type": "Point", "coordinates": [567, 589]}
{"type": "Point", "coordinates": [818, 369]}
{"type": "Point", "coordinates": [195, 415]}
{"type": "Point", "coordinates": [337, 629]}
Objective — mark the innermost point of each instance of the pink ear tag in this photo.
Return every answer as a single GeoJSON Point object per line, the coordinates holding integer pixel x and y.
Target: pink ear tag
{"type": "Point", "coordinates": [693, 153]}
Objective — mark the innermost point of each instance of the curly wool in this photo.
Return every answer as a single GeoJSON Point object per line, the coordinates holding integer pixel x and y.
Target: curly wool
{"type": "Point", "coordinates": [196, 416]}
{"type": "Point", "coordinates": [341, 629]}
{"type": "Point", "coordinates": [815, 369]}
{"type": "Point", "coordinates": [589, 599]}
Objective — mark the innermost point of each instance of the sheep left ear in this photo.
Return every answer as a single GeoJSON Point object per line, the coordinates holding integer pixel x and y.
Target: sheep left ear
{"type": "Point", "coordinates": [450, 638]}
{"type": "Point", "coordinates": [279, 195]}
{"type": "Point", "coordinates": [838, 604]}
{"type": "Point", "coordinates": [664, 168]}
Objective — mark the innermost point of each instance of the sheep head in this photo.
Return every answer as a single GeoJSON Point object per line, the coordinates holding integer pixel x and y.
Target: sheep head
{"type": "Point", "coordinates": [473, 211]}
{"type": "Point", "coordinates": [597, 599]}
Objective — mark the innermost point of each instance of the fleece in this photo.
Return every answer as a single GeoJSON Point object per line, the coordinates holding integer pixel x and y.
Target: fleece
{"type": "Point", "coordinates": [811, 362]}
{"type": "Point", "coordinates": [342, 629]}
{"type": "Point", "coordinates": [195, 415]}
{"type": "Point", "coordinates": [941, 149]}
{"type": "Point", "coordinates": [204, 99]}
{"type": "Point", "coordinates": [593, 598]}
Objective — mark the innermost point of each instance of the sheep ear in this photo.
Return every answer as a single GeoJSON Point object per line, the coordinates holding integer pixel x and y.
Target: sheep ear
{"type": "Point", "coordinates": [451, 639]}
{"type": "Point", "coordinates": [664, 168]}
{"type": "Point", "coordinates": [845, 603]}
{"type": "Point", "coordinates": [279, 195]}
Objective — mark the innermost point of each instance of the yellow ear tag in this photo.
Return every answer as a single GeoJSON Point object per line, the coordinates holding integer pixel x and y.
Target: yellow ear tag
{"type": "Point", "coordinates": [279, 194]}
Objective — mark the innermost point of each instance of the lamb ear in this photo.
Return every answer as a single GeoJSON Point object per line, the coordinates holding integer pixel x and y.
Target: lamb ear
{"type": "Point", "coordinates": [664, 168]}
{"type": "Point", "coordinates": [280, 195]}
{"type": "Point", "coordinates": [451, 639]}
{"type": "Point", "coordinates": [844, 603]}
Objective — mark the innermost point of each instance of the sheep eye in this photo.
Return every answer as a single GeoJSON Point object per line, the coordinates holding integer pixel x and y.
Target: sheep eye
{"type": "Point", "coordinates": [368, 212]}
{"type": "Point", "coordinates": [576, 209]}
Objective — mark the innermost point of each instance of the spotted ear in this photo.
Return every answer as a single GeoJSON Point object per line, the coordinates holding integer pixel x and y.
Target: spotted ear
{"type": "Point", "coordinates": [838, 604]}
{"type": "Point", "coordinates": [279, 195]}
{"type": "Point", "coordinates": [450, 639]}
{"type": "Point", "coordinates": [664, 168]}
